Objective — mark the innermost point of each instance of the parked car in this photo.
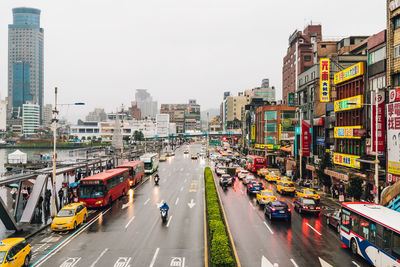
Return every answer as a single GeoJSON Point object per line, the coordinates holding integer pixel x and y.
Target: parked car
{"type": "Point", "coordinates": [226, 176]}
{"type": "Point", "coordinates": [254, 187]}
{"type": "Point", "coordinates": [277, 209]}
{"type": "Point", "coordinates": [242, 174]}
{"type": "Point", "coordinates": [306, 205]}
{"type": "Point", "coordinates": [333, 219]}
{"type": "Point", "coordinates": [265, 196]}
{"type": "Point", "coordinates": [249, 178]}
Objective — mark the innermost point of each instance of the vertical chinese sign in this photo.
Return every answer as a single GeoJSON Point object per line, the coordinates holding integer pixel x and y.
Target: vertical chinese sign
{"type": "Point", "coordinates": [324, 79]}
{"type": "Point", "coordinates": [305, 138]}
{"type": "Point", "coordinates": [378, 126]}
{"type": "Point", "coordinates": [393, 138]}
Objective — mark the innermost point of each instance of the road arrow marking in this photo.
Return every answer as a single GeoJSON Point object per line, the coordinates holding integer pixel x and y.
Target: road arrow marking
{"type": "Point", "coordinates": [324, 263]}
{"type": "Point", "coordinates": [266, 263]}
{"type": "Point", "coordinates": [191, 203]}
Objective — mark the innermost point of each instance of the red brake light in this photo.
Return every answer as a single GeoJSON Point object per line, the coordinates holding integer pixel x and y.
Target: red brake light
{"type": "Point", "coordinates": [288, 209]}
{"type": "Point", "coordinates": [273, 209]}
{"type": "Point", "coordinates": [318, 208]}
{"type": "Point", "coordinates": [305, 207]}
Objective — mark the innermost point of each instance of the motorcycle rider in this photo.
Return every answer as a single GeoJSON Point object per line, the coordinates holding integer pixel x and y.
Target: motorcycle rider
{"type": "Point", "coordinates": [164, 207]}
{"type": "Point", "coordinates": [156, 178]}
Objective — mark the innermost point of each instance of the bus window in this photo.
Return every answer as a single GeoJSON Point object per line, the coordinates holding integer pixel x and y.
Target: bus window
{"type": "Point", "coordinates": [372, 236]}
{"type": "Point", "coordinates": [396, 245]}
{"type": "Point", "coordinates": [386, 239]}
{"type": "Point", "coordinates": [364, 229]}
{"type": "Point", "coordinates": [355, 223]}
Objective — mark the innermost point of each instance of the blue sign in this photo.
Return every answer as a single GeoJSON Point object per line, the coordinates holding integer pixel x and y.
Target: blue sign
{"type": "Point", "coordinates": [320, 140]}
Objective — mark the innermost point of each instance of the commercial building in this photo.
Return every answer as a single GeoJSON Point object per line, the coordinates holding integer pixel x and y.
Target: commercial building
{"type": "Point", "coordinates": [25, 60]}
{"type": "Point", "coordinates": [185, 116]}
{"type": "Point", "coordinates": [3, 115]}
{"type": "Point", "coordinates": [98, 114]}
{"type": "Point", "coordinates": [300, 56]}
{"type": "Point", "coordinates": [30, 119]}
{"type": "Point", "coordinates": [233, 111]}
{"type": "Point", "coordinates": [47, 115]}
{"type": "Point", "coordinates": [134, 111]}
{"type": "Point", "coordinates": [162, 122]}
{"type": "Point", "coordinates": [145, 103]}
{"type": "Point", "coordinates": [393, 91]}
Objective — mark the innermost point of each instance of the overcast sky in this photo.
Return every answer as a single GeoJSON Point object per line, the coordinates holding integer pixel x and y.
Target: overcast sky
{"type": "Point", "coordinates": [99, 52]}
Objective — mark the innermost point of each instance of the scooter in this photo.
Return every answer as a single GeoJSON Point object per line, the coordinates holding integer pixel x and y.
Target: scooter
{"type": "Point", "coordinates": [156, 180]}
{"type": "Point", "coordinates": [164, 215]}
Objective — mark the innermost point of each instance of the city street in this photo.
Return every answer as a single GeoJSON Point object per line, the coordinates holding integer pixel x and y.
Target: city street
{"type": "Point", "coordinates": [131, 233]}
{"type": "Point", "coordinates": [305, 241]}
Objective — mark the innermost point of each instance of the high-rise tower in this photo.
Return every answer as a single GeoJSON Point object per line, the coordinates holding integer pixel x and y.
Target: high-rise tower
{"type": "Point", "coordinates": [25, 60]}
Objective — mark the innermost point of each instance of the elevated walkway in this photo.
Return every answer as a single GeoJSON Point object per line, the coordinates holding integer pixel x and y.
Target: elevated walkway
{"type": "Point", "coordinates": [7, 218]}
{"type": "Point", "coordinates": [391, 197]}
{"type": "Point", "coordinates": [33, 199]}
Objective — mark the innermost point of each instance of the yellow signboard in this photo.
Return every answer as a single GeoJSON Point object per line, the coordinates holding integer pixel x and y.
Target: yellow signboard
{"type": "Point", "coordinates": [346, 132]}
{"type": "Point", "coordinates": [349, 103]}
{"type": "Point", "coordinates": [394, 167]}
{"type": "Point", "coordinates": [350, 73]}
{"type": "Point", "coordinates": [253, 132]}
{"type": "Point", "coordinates": [279, 133]}
{"type": "Point", "coordinates": [324, 79]}
{"type": "Point", "coordinates": [346, 160]}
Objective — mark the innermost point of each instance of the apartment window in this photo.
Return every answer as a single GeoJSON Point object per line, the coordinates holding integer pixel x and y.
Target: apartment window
{"type": "Point", "coordinates": [377, 55]}
{"type": "Point", "coordinates": [396, 22]}
{"type": "Point", "coordinates": [313, 75]}
{"type": "Point", "coordinates": [396, 79]}
{"type": "Point", "coordinates": [269, 127]}
{"type": "Point", "coordinates": [396, 51]}
{"type": "Point", "coordinates": [307, 58]}
{"type": "Point", "coordinates": [306, 79]}
{"type": "Point", "coordinates": [323, 46]}
{"type": "Point", "coordinates": [270, 115]}
{"type": "Point", "coordinates": [377, 83]}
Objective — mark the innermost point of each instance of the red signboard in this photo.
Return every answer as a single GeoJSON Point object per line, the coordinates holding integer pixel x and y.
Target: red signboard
{"type": "Point", "coordinates": [378, 126]}
{"type": "Point", "coordinates": [305, 138]}
{"type": "Point", "coordinates": [392, 178]}
{"type": "Point", "coordinates": [394, 95]}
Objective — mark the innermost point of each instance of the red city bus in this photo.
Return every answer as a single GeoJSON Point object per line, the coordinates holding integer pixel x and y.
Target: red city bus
{"type": "Point", "coordinates": [254, 163]}
{"type": "Point", "coordinates": [136, 171]}
{"type": "Point", "coordinates": [101, 189]}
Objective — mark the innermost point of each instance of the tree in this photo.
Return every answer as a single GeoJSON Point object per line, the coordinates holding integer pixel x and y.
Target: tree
{"type": "Point", "coordinates": [355, 189]}
{"type": "Point", "coordinates": [126, 138]}
{"type": "Point", "coordinates": [83, 138]}
{"type": "Point", "coordinates": [138, 136]}
{"type": "Point", "coordinates": [325, 162]}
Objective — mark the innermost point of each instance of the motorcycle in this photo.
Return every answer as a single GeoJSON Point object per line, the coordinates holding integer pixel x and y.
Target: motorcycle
{"type": "Point", "coordinates": [156, 180]}
{"type": "Point", "coordinates": [164, 215]}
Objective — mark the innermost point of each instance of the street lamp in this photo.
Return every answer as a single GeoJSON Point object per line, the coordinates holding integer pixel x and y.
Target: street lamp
{"type": "Point", "coordinates": [54, 122]}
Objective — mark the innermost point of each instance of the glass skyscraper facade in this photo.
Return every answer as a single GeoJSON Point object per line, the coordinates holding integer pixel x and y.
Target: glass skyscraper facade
{"type": "Point", "coordinates": [25, 60]}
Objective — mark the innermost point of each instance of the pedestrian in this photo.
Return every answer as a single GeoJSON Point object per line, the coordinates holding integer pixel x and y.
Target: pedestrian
{"type": "Point", "coordinates": [29, 189]}
{"type": "Point", "coordinates": [61, 196]}
{"type": "Point", "coordinates": [47, 198]}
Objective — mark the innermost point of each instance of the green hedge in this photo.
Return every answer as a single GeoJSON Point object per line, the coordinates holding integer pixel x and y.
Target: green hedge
{"type": "Point", "coordinates": [218, 241]}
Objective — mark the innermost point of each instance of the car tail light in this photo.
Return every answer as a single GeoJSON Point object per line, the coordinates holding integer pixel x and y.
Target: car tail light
{"type": "Point", "coordinates": [273, 209]}
{"type": "Point", "coordinates": [305, 207]}
{"type": "Point", "coordinates": [318, 208]}
{"type": "Point", "coordinates": [288, 209]}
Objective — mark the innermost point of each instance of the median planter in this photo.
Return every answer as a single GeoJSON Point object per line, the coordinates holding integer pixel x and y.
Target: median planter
{"type": "Point", "coordinates": [220, 249]}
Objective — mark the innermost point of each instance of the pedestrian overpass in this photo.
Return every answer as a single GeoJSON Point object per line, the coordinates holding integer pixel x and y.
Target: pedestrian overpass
{"type": "Point", "coordinates": [391, 197]}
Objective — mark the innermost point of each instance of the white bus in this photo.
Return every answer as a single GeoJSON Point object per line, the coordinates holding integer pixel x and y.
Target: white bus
{"type": "Point", "coordinates": [372, 231]}
{"type": "Point", "coordinates": [150, 162]}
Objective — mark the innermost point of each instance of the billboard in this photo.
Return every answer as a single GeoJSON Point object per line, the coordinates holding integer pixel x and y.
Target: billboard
{"type": "Point", "coordinates": [290, 99]}
{"type": "Point", "coordinates": [346, 160]}
{"type": "Point", "coordinates": [349, 73]}
{"type": "Point", "coordinates": [305, 138]}
{"type": "Point", "coordinates": [346, 132]}
{"type": "Point", "coordinates": [343, 104]}
{"type": "Point", "coordinates": [393, 137]}
{"type": "Point", "coordinates": [324, 79]}
{"type": "Point", "coordinates": [394, 95]}
{"type": "Point", "coordinates": [253, 133]}
{"type": "Point", "coordinates": [378, 126]}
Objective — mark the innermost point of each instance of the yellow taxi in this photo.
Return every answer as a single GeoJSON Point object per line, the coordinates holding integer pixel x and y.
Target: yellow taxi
{"type": "Point", "coordinates": [163, 157]}
{"type": "Point", "coordinates": [284, 179]}
{"type": "Point", "coordinates": [194, 156]}
{"type": "Point", "coordinates": [265, 196]}
{"type": "Point", "coordinates": [262, 172]}
{"type": "Point", "coordinates": [69, 217]}
{"type": "Point", "coordinates": [308, 193]}
{"type": "Point", "coordinates": [236, 154]}
{"type": "Point", "coordinates": [272, 177]}
{"type": "Point", "coordinates": [14, 252]}
{"type": "Point", "coordinates": [285, 187]}
{"type": "Point", "coordinates": [186, 151]}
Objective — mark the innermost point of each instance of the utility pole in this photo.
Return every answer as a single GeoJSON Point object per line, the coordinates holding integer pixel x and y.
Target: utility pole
{"type": "Point", "coordinates": [54, 176]}
{"type": "Point", "coordinates": [301, 143]}
{"type": "Point", "coordinates": [376, 147]}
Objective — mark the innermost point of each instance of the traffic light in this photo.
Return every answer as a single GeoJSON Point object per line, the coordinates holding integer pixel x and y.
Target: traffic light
{"type": "Point", "coordinates": [224, 138]}
{"type": "Point", "coordinates": [235, 138]}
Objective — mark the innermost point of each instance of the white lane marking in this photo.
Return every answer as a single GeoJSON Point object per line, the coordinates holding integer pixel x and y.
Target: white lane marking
{"type": "Point", "coordinates": [251, 204]}
{"type": "Point", "coordinates": [126, 205]}
{"type": "Point", "coordinates": [98, 258]}
{"type": "Point", "coordinates": [147, 201]}
{"type": "Point", "coordinates": [324, 263]}
{"type": "Point", "coordinates": [266, 263]}
{"type": "Point", "coordinates": [70, 262]}
{"type": "Point", "coordinates": [182, 188]}
{"type": "Point", "coordinates": [355, 263]}
{"type": "Point", "coordinates": [160, 204]}
{"type": "Point", "coordinates": [294, 263]}
{"type": "Point", "coordinates": [191, 203]}
{"type": "Point", "coordinates": [314, 229]}
{"type": "Point", "coordinates": [62, 244]}
{"type": "Point", "coordinates": [268, 228]}
{"type": "Point", "coordinates": [38, 248]}
{"type": "Point", "coordinates": [126, 226]}
{"type": "Point", "coordinates": [169, 220]}
{"type": "Point", "coordinates": [177, 200]}
{"type": "Point", "coordinates": [154, 257]}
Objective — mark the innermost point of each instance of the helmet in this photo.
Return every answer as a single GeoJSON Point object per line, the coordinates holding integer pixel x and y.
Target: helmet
{"type": "Point", "coordinates": [165, 202]}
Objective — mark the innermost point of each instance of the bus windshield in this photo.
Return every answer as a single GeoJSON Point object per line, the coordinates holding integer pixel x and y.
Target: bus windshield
{"type": "Point", "coordinates": [148, 165]}
{"type": "Point", "coordinates": [92, 191]}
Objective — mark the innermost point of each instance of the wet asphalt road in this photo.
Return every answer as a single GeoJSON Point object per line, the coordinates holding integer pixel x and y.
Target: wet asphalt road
{"type": "Point", "coordinates": [131, 233]}
{"type": "Point", "coordinates": [305, 241]}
